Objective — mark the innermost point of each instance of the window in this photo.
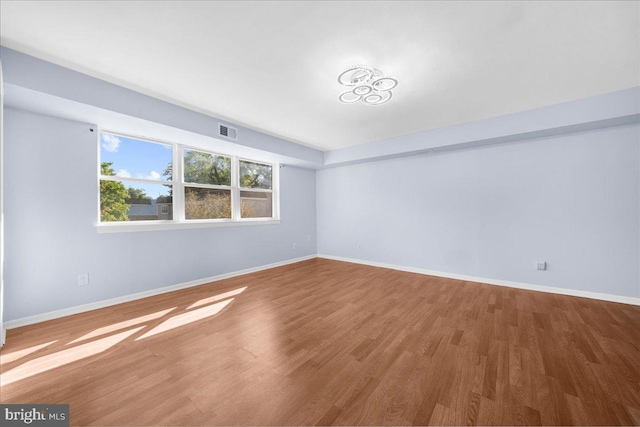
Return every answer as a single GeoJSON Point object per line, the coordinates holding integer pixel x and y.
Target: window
{"type": "Point", "coordinates": [207, 191]}
{"type": "Point", "coordinates": [257, 203]}
{"type": "Point", "coordinates": [135, 176]}
{"type": "Point", "coordinates": [151, 182]}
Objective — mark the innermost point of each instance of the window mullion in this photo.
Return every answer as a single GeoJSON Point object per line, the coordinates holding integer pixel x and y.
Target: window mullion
{"type": "Point", "coordinates": [209, 186]}
{"type": "Point", "coordinates": [178, 186]}
{"type": "Point", "coordinates": [275, 193]}
{"type": "Point", "coordinates": [256, 189]}
{"type": "Point", "coordinates": [235, 188]}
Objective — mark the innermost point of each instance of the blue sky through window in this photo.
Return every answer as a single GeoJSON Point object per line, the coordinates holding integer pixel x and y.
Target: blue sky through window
{"type": "Point", "coordinates": [133, 158]}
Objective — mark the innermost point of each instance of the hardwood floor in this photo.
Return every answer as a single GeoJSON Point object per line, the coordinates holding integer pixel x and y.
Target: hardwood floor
{"type": "Point", "coordinates": [331, 343]}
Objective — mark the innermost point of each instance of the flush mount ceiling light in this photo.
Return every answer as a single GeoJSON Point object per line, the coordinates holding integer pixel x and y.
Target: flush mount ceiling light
{"type": "Point", "coordinates": [367, 84]}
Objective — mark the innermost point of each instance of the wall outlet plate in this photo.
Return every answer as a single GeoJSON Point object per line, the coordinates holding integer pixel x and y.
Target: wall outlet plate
{"type": "Point", "coordinates": [541, 265]}
{"type": "Point", "coordinates": [83, 279]}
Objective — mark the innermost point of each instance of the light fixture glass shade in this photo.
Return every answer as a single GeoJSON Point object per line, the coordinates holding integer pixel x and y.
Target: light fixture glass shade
{"type": "Point", "coordinates": [362, 90]}
{"type": "Point", "coordinates": [384, 83]}
{"type": "Point", "coordinates": [349, 97]}
{"type": "Point", "coordinates": [355, 75]}
{"type": "Point", "coordinates": [377, 98]}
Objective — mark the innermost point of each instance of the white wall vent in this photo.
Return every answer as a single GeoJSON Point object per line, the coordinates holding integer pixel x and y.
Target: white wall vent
{"type": "Point", "coordinates": [228, 132]}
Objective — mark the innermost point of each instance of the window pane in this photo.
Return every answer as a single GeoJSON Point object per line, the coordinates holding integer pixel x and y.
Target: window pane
{"type": "Point", "coordinates": [134, 201]}
{"type": "Point", "coordinates": [206, 203]}
{"type": "Point", "coordinates": [132, 158]}
{"type": "Point", "coordinates": [256, 204]}
{"type": "Point", "coordinates": [206, 168]}
{"type": "Point", "coordinates": [255, 175]}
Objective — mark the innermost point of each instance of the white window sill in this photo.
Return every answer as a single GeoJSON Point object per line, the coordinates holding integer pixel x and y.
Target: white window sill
{"type": "Point", "coordinates": [125, 227]}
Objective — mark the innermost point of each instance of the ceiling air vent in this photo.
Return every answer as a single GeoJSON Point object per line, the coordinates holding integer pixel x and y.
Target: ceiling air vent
{"type": "Point", "coordinates": [228, 132]}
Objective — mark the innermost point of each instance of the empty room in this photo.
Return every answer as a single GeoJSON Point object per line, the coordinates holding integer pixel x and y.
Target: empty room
{"type": "Point", "coordinates": [288, 213]}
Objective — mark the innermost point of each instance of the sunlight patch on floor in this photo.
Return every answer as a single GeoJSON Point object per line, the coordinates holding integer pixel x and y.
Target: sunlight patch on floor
{"type": "Point", "coordinates": [8, 358]}
{"type": "Point", "coordinates": [122, 325]}
{"type": "Point", "coordinates": [186, 318]}
{"type": "Point", "coordinates": [219, 297]}
{"type": "Point", "coordinates": [63, 357]}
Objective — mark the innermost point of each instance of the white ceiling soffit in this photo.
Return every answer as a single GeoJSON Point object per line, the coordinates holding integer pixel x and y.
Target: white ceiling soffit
{"type": "Point", "coordinates": [273, 66]}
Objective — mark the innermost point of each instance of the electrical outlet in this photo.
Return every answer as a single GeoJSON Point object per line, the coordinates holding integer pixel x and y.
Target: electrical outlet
{"type": "Point", "coordinates": [359, 246]}
{"type": "Point", "coordinates": [83, 279]}
{"type": "Point", "coordinates": [309, 238]}
{"type": "Point", "coordinates": [541, 265]}
{"type": "Point", "coordinates": [295, 246]}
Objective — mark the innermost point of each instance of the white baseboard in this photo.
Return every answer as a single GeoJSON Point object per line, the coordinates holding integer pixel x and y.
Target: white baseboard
{"type": "Point", "coordinates": [132, 297]}
{"type": "Point", "coordinates": [11, 324]}
{"type": "Point", "coordinates": [518, 285]}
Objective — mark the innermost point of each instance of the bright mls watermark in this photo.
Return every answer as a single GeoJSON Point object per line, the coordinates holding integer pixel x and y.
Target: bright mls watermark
{"type": "Point", "coordinates": [35, 415]}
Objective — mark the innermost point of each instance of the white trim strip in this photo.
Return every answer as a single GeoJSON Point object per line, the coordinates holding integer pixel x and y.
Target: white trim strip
{"type": "Point", "coordinates": [132, 297]}
{"type": "Point", "coordinates": [124, 227]}
{"type": "Point", "coordinates": [518, 285]}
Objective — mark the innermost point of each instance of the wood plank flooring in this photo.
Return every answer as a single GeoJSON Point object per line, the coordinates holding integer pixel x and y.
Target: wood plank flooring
{"type": "Point", "coordinates": [331, 343]}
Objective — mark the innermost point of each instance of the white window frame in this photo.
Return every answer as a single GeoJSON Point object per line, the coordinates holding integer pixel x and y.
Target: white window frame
{"type": "Point", "coordinates": [179, 221]}
{"type": "Point", "coordinates": [275, 169]}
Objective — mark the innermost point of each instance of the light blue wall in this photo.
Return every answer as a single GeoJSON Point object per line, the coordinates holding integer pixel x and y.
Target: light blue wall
{"type": "Point", "coordinates": [571, 200]}
{"type": "Point", "coordinates": [50, 215]}
{"type": "Point", "coordinates": [595, 112]}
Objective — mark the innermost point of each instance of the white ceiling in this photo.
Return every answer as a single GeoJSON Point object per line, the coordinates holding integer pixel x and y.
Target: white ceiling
{"type": "Point", "coordinates": [272, 66]}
